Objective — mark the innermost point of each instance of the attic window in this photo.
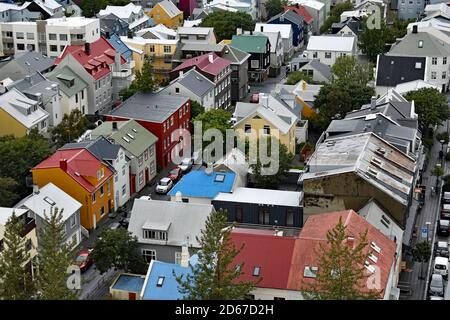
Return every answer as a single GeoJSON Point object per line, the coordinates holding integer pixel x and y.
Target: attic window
{"type": "Point", "coordinates": [130, 135]}
{"type": "Point", "coordinates": [134, 130]}
{"type": "Point", "coordinates": [310, 272]}
{"type": "Point", "coordinates": [219, 178]}
{"type": "Point", "coordinates": [418, 65]}
{"type": "Point", "coordinates": [374, 246]}
{"type": "Point", "coordinates": [420, 45]}
{"type": "Point", "coordinates": [369, 267]}
{"type": "Point", "coordinates": [383, 217]}
{"type": "Point", "coordinates": [373, 258]}
{"type": "Point", "coordinates": [256, 271]}
{"type": "Point", "coordinates": [160, 282]}
{"type": "Point", "coordinates": [49, 201]}
{"type": "Point", "coordinates": [126, 139]}
{"type": "Point", "coordinates": [372, 171]}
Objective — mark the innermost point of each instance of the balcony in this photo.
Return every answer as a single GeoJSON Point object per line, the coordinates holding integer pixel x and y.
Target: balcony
{"type": "Point", "coordinates": [125, 73]}
{"type": "Point", "coordinates": [29, 225]}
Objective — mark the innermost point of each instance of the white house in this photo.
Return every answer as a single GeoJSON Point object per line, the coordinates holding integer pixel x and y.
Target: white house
{"type": "Point", "coordinates": [286, 36]}
{"type": "Point", "coordinates": [327, 48]}
{"type": "Point", "coordinates": [196, 35]}
{"type": "Point", "coordinates": [317, 10]}
{"type": "Point", "coordinates": [134, 15]}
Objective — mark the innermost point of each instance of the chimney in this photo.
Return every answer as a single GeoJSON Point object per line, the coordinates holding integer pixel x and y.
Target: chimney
{"type": "Point", "coordinates": [87, 48]}
{"type": "Point", "coordinates": [178, 197]}
{"type": "Point", "coordinates": [414, 29]}
{"type": "Point", "coordinates": [210, 58]}
{"type": "Point", "coordinates": [28, 78]}
{"type": "Point", "coordinates": [238, 31]}
{"type": "Point", "coordinates": [209, 169]}
{"type": "Point", "coordinates": [262, 28]}
{"type": "Point", "coordinates": [130, 34]}
{"type": "Point", "coordinates": [114, 126]}
{"type": "Point", "coordinates": [373, 103]}
{"type": "Point", "coordinates": [181, 74]}
{"type": "Point", "coordinates": [63, 164]}
{"type": "Point", "coordinates": [54, 87]}
{"type": "Point", "coordinates": [185, 255]}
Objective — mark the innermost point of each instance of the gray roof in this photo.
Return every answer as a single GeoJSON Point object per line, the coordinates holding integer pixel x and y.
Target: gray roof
{"type": "Point", "coordinates": [392, 70]}
{"type": "Point", "coordinates": [196, 82]}
{"type": "Point", "coordinates": [288, 15]}
{"type": "Point", "coordinates": [101, 148]}
{"type": "Point", "coordinates": [262, 197]}
{"type": "Point", "coordinates": [113, 24]}
{"type": "Point", "coordinates": [22, 64]}
{"type": "Point", "coordinates": [234, 55]}
{"type": "Point", "coordinates": [206, 47]}
{"type": "Point", "coordinates": [154, 107]}
{"type": "Point", "coordinates": [182, 221]}
{"type": "Point", "coordinates": [170, 8]}
{"type": "Point", "coordinates": [36, 85]}
{"type": "Point", "coordinates": [63, 76]}
{"type": "Point", "coordinates": [274, 38]}
{"type": "Point", "coordinates": [432, 46]}
{"type": "Point", "coordinates": [320, 67]}
{"type": "Point", "coordinates": [142, 138]}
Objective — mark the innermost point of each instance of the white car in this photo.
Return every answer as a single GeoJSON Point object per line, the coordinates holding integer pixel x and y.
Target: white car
{"type": "Point", "coordinates": [164, 185]}
{"type": "Point", "coordinates": [186, 164]}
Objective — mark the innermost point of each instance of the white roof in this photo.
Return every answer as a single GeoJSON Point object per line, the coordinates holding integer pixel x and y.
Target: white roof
{"type": "Point", "coordinates": [185, 220]}
{"type": "Point", "coordinates": [439, 7]}
{"type": "Point", "coordinates": [235, 161]}
{"type": "Point", "coordinates": [9, 6]}
{"type": "Point", "coordinates": [139, 21]}
{"type": "Point", "coordinates": [284, 29]}
{"type": "Point", "coordinates": [123, 12]}
{"type": "Point", "coordinates": [262, 196]}
{"type": "Point", "coordinates": [317, 5]}
{"type": "Point", "coordinates": [16, 103]}
{"type": "Point", "coordinates": [142, 41]}
{"type": "Point", "coordinates": [170, 8]}
{"type": "Point", "coordinates": [5, 213]}
{"type": "Point", "coordinates": [51, 196]}
{"type": "Point", "coordinates": [195, 30]}
{"type": "Point", "coordinates": [229, 3]}
{"type": "Point", "coordinates": [160, 31]}
{"type": "Point", "coordinates": [331, 43]}
{"type": "Point", "coordinates": [50, 4]}
{"type": "Point", "coordinates": [405, 87]}
{"type": "Point", "coordinates": [71, 21]}
{"type": "Point", "coordinates": [192, 23]}
{"type": "Point", "coordinates": [310, 92]}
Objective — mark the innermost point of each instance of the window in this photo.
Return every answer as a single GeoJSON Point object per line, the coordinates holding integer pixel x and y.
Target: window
{"type": "Point", "coordinates": [444, 75]}
{"type": "Point", "coordinates": [434, 60]}
{"type": "Point", "coordinates": [53, 48]}
{"type": "Point", "coordinates": [94, 198]}
{"type": "Point", "coordinates": [153, 234]}
{"type": "Point", "coordinates": [108, 187]}
{"type": "Point", "coordinates": [145, 155]}
{"type": "Point", "coordinates": [433, 75]}
{"type": "Point", "coordinates": [264, 215]}
{"type": "Point", "coordinates": [289, 217]}
{"type": "Point", "coordinates": [116, 178]}
{"type": "Point", "coordinates": [256, 271]}
{"type": "Point", "coordinates": [61, 48]}
{"type": "Point", "coordinates": [102, 211]}
{"type": "Point", "coordinates": [141, 177]}
{"type": "Point", "coordinates": [444, 60]}
{"type": "Point", "coordinates": [76, 97]}
{"type": "Point", "coordinates": [124, 170]}
{"type": "Point", "coordinates": [152, 168]}
{"type": "Point", "coordinates": [140, 160]}
{"type": "Point", "coordinates": [239, 214]}
{"type": "Point", "coordinates": [328, 55]}
{"type": "Point", "coordinates": [266, 129]}
{"type": "Point", "coordinates": [178, 257]}
{"type": "Point", "coordinates": [151, 151]}
{"type": "Point", "coordinates": [20, 35]}
{"type": "Point", "coordinates": [254, 64]}
{"type": "Point", "coordinates": [315, 55]}
{"type": "Point", "coordinates": [20, 46]}
{"type": "Point", "coordinates": [149, 255]}
{"type": "Point", "coordinates": [247, 128]}
{"type": "Point", "coordinates": [177, 90]}
{"type": "Point", "coordinates": [167, 49]}
{"type": "Point", "coordinates": [171, 121]}
{"type": "Point", "coordinates": [124, 189]}
{"type": "Point", "coordinates": [52, 36]}
{"type": "Point", "coordinates": [310, 272]}
{"type": "Point", "coordinates": [30, 36]}
{"type": "Point", "coordinates": [152, 48]}
{"type": "Point", "coordinates": [82, 94]}
{"type": "Point", "coordinates": [72, 221]}
{"type": "Point", "coordinates": [63, 37]}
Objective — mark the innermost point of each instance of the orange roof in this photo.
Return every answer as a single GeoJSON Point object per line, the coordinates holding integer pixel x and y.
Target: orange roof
{"type": "Point", "coordinates": [80, 164]}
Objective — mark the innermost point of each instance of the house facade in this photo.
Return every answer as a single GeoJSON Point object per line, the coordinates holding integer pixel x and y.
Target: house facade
{"type": "Point", "coordinates": [286, 33]}
{"type": "Point", "coordinates": [239, 72]}
{"type": "Point", "coordinates": [328, 48]}
{"type": "Point", "coordinates": [276, 52]}
{"type": "Point", "coordinates": [166, 13]}
{"type": "Point", "coordinates": [291, 18]}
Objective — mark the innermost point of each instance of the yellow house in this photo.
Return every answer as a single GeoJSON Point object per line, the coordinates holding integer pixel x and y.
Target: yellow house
{"type": "Point", "coordinates": [159, 51]}
{"type": "Point", "coordinates": [19, 114]}
{"type": "Point", "coordinates": [167, 13]}
{"type": "Point", "coordinates": [268, 117]}
{"type": "Point", "coordinates": [28, 232]}
{"type": "Point", "coordinates": [305, 94]}
{"type": "Point", "coordinates": [82, 176]}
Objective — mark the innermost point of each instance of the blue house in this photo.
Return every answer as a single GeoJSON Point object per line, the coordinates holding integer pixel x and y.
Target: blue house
{"type": "Point", "coordinates": [120, 47]}
{"type": "Point", "coordinates": [160, 283]}
{"type": "Point", "coordinates": [200, 186]}
{"type": "Point", "coordinates": [296, 21]}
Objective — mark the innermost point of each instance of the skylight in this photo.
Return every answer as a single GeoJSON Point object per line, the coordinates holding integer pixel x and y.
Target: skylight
{"type": "Point", "coordinates": [256, 271]}
{"type": "Point", "coordinates": [374, 246]}
{"type": "Point", "coordinates": [49, 201]}
{"type": "Point", "coordinates": [310, 272]}
{"type": "Point", "coordinates": [126, 139]}
{"type": "Point", "coordinates": [219, 178]}
{"type": "Point", "coordinates": [134, 130]}
{"type": "Point", "coordinates": [130, 135]}
{"type": "Point", "coordinates": [369, 267]}
{"type": "Point", "coordinates": [160, 282]}
{"type": "Point", "coordinates": [373, 258]}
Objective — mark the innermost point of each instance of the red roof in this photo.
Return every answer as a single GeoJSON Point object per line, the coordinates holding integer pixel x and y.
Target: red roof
{"type": "Point", "coordinates": [203, 63]}
{"type": "Point", "coordinates": [80, 164]}
{"type": "Point", "coordinates": [99, 59]}
{"type": "Point", "coordinates": [301, 11]}
{"type": "Point", "coordinates": [314, 232]}
{"type": "Point", "coordinates": [272, 254]}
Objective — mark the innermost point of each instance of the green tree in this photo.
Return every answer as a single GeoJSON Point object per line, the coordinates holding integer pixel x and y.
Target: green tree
{"type": "Point", "coordinates": [118, 249]}
{"type": "Point", "coordinates": [8, 195]}
{"type": "Point", "coordinates": [72, 126]}
{"type": "Point", "coordinates": [341, 271]}
{"type": "Point", "coordinates": [442, 136]}
{"type": "Point", "coordinates": [196, 109]}
{"type": "Point", "coordinates": [397, 30]}
{"type": "Point", "coordinates": [347, 69]}
{"type": "Point", "coordinates": [335, 15]}
{"type": "Point", "coordinates": [128, 92]}
{"type": "Point", "coordinates": [421, 253]}
{"type": "Point", "coordinates": [54, 259]}
{"type": "Point", "coordinates": [15, 280]}
{"type": "Point", "coordinates": [215, 276]}
{"type": "Point", "coordinates": [145, 79]}
{"type": "Point", "coordinates": [225, 23]}
{"type": "Point", "coordinates": [431, 107]}
{"type": "Point", "coordinates": [372, 41]}
{"type": "Point", "coordinates": [17, 157]}
{"type": "Point", "coordinates": [296, 76]}
{"type": "Point", "coordinates": [272, 181]}
{"type": "Point", "coordinates": [274, 7]}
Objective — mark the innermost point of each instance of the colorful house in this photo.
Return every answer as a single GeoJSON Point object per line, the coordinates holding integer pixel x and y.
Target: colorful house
{"type": "Point", "coordinates": [167, 13]}
{"type": "Point", "coordinates": [82, 176]}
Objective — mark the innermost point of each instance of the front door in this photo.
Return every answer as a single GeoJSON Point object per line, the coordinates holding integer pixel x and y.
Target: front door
{"type": "Point", "coordinates": [131, 295]}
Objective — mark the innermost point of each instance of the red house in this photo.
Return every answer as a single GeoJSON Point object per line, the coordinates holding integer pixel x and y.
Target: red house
{"type": "Point", "coordinates": [187, 6]}
{"type": "Point", "coordinates": [160, 114]}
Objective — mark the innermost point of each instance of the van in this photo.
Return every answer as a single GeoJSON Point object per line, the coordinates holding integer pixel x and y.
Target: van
{"type": "Point", "coordinates": [445, 211]}
{"type": "Point", "coordinates": [443, 228]}
{"type": "Point", "coordinates": [446, 198]}
{"type": "Point", "coordinates": [441, 266]}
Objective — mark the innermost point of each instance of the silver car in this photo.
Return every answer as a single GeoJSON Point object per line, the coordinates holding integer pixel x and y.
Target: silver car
{"type": "Point", "coordinates": [186, 164]}
{"type": "Point", "coordinates": [436, 285]}
{"type": "Point", "coordinates": [164, 185]}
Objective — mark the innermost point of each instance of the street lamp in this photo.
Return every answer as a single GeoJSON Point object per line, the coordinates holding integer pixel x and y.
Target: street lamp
{"type": "Point", "coordinates": [428, 224]}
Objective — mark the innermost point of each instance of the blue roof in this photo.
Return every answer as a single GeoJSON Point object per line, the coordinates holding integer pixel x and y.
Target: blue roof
{"type": "Point", "coordinates": [121, 47]}
{"type": "Point", "coordinates": [169, 288]}
{"type": "Point", "coordinates": [199, 184]}
{"type": "Point", "coordinates": [128, 282]}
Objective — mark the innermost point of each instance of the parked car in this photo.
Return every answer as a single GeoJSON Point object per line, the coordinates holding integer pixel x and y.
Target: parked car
{"type": "Point", "coordinates": [443, 228]}
{"type": "Point", "coordinates": [114, 226]}
{"type": "Point", "coordinates": [441, 249]}
{"type": "Point", "coordinates": [164, 185]}
{"type": "Point", "coordinates": [124, 222]}
{"type": "Point", "coordinates": [186, 164]}
{"type": "Point", "coordinates": [445, 211]}
{"type": "Point", "coordinates": [84, 259]}
{"type": "Point", "coordinates": [441, 266]}
{"type": "Point", "coordinates": [254, 98]}
{"type": "Point", "coordinates": [113, 214]}
{"type": "Point", "coordinates": [175, 174]}
{"type": "Point", "coordinates": [436, 286]}
{"type": "Point", "coordinates": [446, 198]}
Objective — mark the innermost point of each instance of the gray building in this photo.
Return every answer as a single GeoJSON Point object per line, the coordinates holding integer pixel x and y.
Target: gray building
{"type": "Point", "coordinates": [164, 227]}
{"type": "Point", "coordinates": [410, 9]}
{"type": "Point", "coordinates": [41, 203]}
{"type": "Point", "coordinates": [262, 207]}
{"type": "Point", "coordinates": [22, 64]}
{"type": "Point", "coordinates": [239, 72]}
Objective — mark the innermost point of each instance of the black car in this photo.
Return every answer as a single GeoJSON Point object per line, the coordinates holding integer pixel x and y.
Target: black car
{"type": "Point", "coordinates": [441, 249]}
{"type": "Point", "coordinates": [443, 228]}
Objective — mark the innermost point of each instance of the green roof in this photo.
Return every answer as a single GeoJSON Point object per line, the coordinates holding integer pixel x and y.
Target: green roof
{"type": "Point", "coordinates": [250, 43]}
{"type": "Point", "coordinates": [129, 134]}
{"type": "Point", "coordinates": [64, 76]}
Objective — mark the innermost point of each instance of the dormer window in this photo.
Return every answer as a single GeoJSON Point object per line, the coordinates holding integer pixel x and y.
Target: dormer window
{"type": "Point", "coordinates": [160, 281]}
{"type": "Point", "coordinates": [154, 234]}
{"type": "Point", "coordinates": [100, 174]}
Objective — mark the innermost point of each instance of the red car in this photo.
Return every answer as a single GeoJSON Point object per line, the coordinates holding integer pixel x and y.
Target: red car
{"type": "Point", "coordinates": [174, 174]}
{"type": "Point", "coordinates": [84, 260]}
{"type": "Point", "coordinates": [254, 98]}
